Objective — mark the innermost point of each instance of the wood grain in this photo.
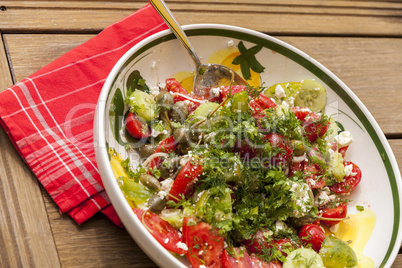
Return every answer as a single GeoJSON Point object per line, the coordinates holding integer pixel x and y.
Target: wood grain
{"type": "Point", "coordinates": [312, 17]}
{"type": "Point", "coordinates": [356, 61]}
{"type": "Point", "coordinates": [5, 74]}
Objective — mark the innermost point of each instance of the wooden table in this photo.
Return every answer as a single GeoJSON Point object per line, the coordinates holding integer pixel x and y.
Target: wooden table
{"type": "Point", "coordinates": [360, 41]}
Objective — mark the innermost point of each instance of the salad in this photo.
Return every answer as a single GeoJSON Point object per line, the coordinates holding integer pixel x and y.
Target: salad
{"type": "Point", "coordinates": [245, 177]}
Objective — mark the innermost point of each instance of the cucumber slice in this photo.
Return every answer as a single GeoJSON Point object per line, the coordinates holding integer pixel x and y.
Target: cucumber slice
{"type": "Point", "coordinates": [205, 109]}
{"type": "Point", "coordinates": [240, 101]}
{"type": "Point", "coordinates": [312, 95]}
{"type": "Point", "coordinates": [302, 258]}
{"type": "Point", "coordinates": [291, 89]}
{"type": "Point", "coordinates": [143, 105]}
{"type": "Point", "coordinates": [336, 253]}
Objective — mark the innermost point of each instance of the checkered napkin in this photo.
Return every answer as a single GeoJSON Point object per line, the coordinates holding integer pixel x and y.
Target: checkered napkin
{"type": "Point", "coordinates": [49, 116]}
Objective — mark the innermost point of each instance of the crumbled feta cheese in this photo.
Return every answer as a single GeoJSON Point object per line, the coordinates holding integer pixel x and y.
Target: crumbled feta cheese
{"type": "Point", "coordinates": [279, 92]}
{"type": "Point", "coordinates": [166, 240]}
{"type": "Point", "coordinates": [284, 103]}
{"type": "Point", "coordinates": [349, 170]}
{"type": "Point", "coordinates": [162, 194]}
{"type": "Point", "coordinates": [344, 139]}
{"type": "Point", "coordinates": [230, 43]}
{"type": "Point", "coordinates": [153, 64]}
{"type": "Point", "coordinates": [154, 91]}
{"type": "Point", "coordinates": [167, 184]}
{"type": "Point", "coordinates": [331, 153]}
{"type": "Point", "coordinates": [215, 92]}
{"type": "Point", "coordinates": [182, 246]}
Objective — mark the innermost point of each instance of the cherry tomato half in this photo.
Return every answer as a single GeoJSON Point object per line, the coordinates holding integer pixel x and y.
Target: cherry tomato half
{"type": "Point", "coordinates": [136, 128]}
{"type": "Point", "coordinates": [239, 259]}
{"type": "Point", "coordinates": [312, 234]}
{"type": "Point", "coordinates": [205, 245]}
{"type": "Point", "coordinates": [338, 212]}
{"type": "Point", "coordinates": [163, 232]}
{"type": "Point", "coordinates": [349, 182]}
{"type": "Point", "coordinates": [184, 182]}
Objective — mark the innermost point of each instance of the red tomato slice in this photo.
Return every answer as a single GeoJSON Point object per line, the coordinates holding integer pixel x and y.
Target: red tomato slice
{"type": "Point", "coordinates": [184, 182]}
{"type": "Point", "coordinates": [205, 245]}
{"type": "Point", "coordinates": [265, 102]}
{"type": "Point", "coordinates": [349, 182]}
{"type": "Point", "coordinates": [312, 234]}
{"type": "Point", "coordinates": [257, 242]}
{"type": "Point", "coordinates": [258, 263]}
{"type": "Point", "coordinates": [163, 232]}
{"type": "Point", "coordinates": [240, 259]}
{"type": "Point", "coordinates": [312, 171]}
{"type": "Point", "coordinates": [172, 85]}
{"type": "Point", "coordinates": [235, 89]}
{"type": "Point", "coordinates": [167, 145]}
{"type": "Point", "coordinates": [136, 128]}
{"type": "Point", "coordinates": [334, 213]}
{"type": "Point", "coordinates": [312, 123]}
{"type": "Point", "coordinates": [284, 156]}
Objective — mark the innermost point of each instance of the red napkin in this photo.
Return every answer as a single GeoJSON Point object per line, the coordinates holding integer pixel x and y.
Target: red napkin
{"type": "Point", "coordinates": [49, 116]}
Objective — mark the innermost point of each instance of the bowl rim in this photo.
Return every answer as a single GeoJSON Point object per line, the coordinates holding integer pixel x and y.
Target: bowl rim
{"type": "Point", "coordinates": [138, 232]}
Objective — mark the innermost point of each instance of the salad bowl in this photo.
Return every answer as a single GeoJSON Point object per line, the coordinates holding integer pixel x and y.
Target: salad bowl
{"type": "Point", "coordinates": [161, 56]}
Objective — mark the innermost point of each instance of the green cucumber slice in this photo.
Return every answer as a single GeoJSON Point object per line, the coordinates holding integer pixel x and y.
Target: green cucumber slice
{"type": "Point", "coordinates": [303, 258]}
{"type": "Point", "coordinates": [143, 105]}
{"type": "Point", "coordinates": [312, 95]}
{"type": "Point", "coordinates": [336, 253]}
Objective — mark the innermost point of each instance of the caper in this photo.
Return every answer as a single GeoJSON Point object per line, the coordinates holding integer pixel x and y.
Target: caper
{"type": "Point", "coordinates": [165, 101]}
{"type": "Point", "coordinates": [298, 147]}
{"type": "Point", "coordinates": [179, 112]}
{"type": "Point", "coordinates": [147, 149]}
{"type": "Point", "coordinates": [156, 203]}
{"type": "Point", "coordinates": [169, 166]}
{"type": "Point", "coordinates": [180, 135]}
{"type": "Point", "coordinates": [150, 181]}
{"type": "Point", "coordinates": [183, 148]}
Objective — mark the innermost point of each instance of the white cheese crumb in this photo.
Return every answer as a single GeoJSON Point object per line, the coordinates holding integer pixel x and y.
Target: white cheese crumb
{"type": "Point", "coordinates": [349, 170]}
{"type": "Point", "coordinates": [166, 240]}
{"type": "Point", "coordinates": [344, 139]}
{"type": "Point", "coordinates": [230, 43]}
{"type": "Point", "coordinates": [162, 194]}
{"type": "Point", "coordinates": [153, 64]}
{"type": "Point", "coordinates": [167, 184]}
{"type": "Point", "coordinates": [214, 92]}
{"type": "Point", "coordinates": [182, 246]}
{"type": "Point", "coordinates": [284, 103]}
{"type": "Point", "coordinates": [279, 92]}
{"type": "Point", "coordinates": [154, 91]}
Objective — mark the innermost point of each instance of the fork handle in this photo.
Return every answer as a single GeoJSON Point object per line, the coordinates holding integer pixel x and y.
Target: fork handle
{"type": "Point", "coordinates": [167, 16]}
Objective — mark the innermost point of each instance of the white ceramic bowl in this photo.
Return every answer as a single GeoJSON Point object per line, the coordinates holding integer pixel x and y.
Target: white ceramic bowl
{"type": "Point", "coordinates": [161, 56]}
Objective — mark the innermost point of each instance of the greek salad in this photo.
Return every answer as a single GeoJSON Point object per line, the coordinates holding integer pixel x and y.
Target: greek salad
{"type": "Point", "coordinates": [243, 177]}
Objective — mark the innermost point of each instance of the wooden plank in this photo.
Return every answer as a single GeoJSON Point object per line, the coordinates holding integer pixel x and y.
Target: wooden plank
{"type": "Point", "coordinates": [119, 4]}
{"type": "Point", "coordinates": [370, 67]}
{"type": "Point", "coordinates": [5, 74]}
{"type": "Point", "coordinates": [359, 62]}
{"type": "Point", "coordinates": [264, 17]}
{"type": "Point", "coordinates": [25, 233]}
{"type": "Point", "coordinates": [96, 243]}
